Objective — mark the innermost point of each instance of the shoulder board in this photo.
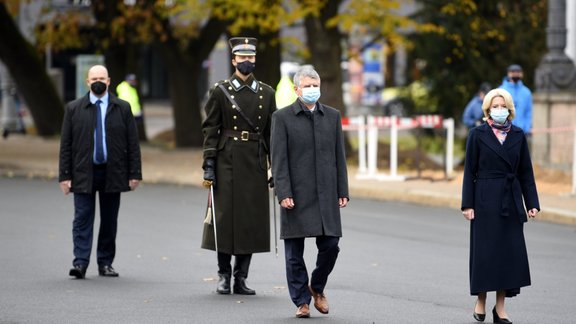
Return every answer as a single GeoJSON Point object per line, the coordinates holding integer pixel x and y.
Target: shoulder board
{"type": "Point", "coordinates": [265, 85]}
{"type": "Point", "coordinates": [219, 83]}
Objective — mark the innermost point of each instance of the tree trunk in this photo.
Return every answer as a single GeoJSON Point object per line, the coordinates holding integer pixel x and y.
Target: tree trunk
{"type": "Point", "coordinates": [324, 45]}
{"type": "Point", "coordinates": [183, 71]}
{"type": "Point", "coordinates": [268, 59]}
{"type": "Point", "coordinates": [31, 79]}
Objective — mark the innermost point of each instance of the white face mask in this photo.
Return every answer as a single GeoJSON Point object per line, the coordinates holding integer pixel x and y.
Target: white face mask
{"type": "Point", "coordinates": [310, 95]}
{"type": "Point", "coordinates": [499, 116]}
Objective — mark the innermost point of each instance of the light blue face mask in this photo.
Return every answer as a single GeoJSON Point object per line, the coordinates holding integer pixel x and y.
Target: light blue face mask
{"type": "Point", "coordinates": [499, 116]}
{"type": "Point", "coordinates": [310, 95]}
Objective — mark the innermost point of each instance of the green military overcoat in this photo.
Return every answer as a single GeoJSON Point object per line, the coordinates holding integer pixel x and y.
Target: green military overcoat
{"type": "Point", "coordinates": [241, 153]}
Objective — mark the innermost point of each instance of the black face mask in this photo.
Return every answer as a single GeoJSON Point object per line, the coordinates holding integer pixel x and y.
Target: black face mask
{"type": "Point", "coordinates": [246, 67]}
{"type": "Point", "coordinates": [515, 79]}
{"type": "Point", "coordinates": [98, 87]}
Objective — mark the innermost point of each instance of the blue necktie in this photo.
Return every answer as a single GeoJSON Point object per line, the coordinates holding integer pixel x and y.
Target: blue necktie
{"type": "Point", "coordinates": [99, 158]}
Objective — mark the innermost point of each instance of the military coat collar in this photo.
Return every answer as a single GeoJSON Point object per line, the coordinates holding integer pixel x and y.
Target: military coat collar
{"type": "Point", "coordinates": [237, 83]}
{"type": "Point", "coordinates": [513, 138]}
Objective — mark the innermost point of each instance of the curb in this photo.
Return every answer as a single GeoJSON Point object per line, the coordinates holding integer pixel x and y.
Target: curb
{"type": "Point", "coordinates": [414, 196]}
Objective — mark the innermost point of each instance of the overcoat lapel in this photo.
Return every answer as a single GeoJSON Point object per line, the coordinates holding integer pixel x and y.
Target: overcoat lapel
{"type": "Point", "coordinates": [489, 138]}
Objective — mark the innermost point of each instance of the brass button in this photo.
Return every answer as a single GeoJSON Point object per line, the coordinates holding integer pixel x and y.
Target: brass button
{"type": "Point", "coordinates": [232, 97]}
{"type": "Point", "coordinates": [257, 128]}
{"type": "Point", "coordinates": [235, 127]}
{"type": "Point", "coordinates": [260, 97]}
{"type": "Point", "coordinates": [233, 106]}
{"type": "Point", "coordinates": [229, 88]}
{"type": "Point", "coordinates": [260, 106]}
{"type": "Point", "coordinates": [259, 117]}
{"type": "Point", "coordinates": [235, 138]}
{"type": "Point", "coordinates": [234, 117]}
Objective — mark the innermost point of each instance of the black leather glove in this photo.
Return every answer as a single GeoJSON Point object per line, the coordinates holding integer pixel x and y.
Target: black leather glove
{"type": "Point", "coordinates": [209, 167]}
{"type": "Point", "coordinates": [271, 182]}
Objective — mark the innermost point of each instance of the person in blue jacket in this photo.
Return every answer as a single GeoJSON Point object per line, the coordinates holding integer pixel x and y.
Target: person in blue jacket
{"type": "Point", "coordinates": [473, 114]}
{"type": "Point", "coordinates": [521, 95]}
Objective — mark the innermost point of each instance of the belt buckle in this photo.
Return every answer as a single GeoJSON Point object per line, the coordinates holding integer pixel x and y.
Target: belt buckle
{"type": "Point", "coordinates": [244, 135]}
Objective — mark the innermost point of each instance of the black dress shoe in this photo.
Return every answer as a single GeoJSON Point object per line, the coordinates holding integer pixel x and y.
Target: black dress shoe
{"type": "Point", "coordinates": [79, 271]}
{"type": "Point", "coordinates": [477, 316]}
{"type": "Point", "coordinates": [223, 287]}
{"type": "Point", "coordinates": [107, 271]}
{"type": "Point", "coordinates": [240, 287]}
{"type": "Point", "coordinates": [497, 318]}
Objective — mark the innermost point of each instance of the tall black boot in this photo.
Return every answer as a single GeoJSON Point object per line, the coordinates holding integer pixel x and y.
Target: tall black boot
{"type": "Point", "coordinates": [241, 267]}
{"type": "Point", "coordinates": [224, 273]}
{"type": "Point", "coordinates": [223, 287]}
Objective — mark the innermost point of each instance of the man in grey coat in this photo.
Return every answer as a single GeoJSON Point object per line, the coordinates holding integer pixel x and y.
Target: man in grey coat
{"type": "Point", "coordinates": [311, 182]}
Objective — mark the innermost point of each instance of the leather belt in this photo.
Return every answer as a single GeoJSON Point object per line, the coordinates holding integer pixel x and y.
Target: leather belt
{"type": "Point", "coordinates": [241, 135]}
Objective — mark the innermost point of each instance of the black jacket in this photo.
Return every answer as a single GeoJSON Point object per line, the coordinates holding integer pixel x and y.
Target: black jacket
{"type": "Point", "coordinates": [77, 145]}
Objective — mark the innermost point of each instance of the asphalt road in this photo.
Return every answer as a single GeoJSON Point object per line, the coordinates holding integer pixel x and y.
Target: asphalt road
{"type": "Point", "coordinates": [399, 263]}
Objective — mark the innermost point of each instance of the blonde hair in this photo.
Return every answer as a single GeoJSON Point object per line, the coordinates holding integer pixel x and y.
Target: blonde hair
{"type": "Point", "coordinates": [498, 92]}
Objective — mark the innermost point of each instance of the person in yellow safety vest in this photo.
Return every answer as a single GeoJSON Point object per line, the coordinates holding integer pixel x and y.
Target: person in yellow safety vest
{"type": "Point", "coordinates": [285, 94]}
{"type": "Point", "coordinates": [127, 91]}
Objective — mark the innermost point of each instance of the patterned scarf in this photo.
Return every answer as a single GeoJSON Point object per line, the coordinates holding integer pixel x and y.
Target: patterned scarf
{"type": "Point", "coordinates": [500, 130]}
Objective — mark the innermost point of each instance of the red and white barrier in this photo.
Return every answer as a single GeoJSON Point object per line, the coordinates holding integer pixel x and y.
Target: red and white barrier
{"type": "Point", "coordinates": [368, 129]}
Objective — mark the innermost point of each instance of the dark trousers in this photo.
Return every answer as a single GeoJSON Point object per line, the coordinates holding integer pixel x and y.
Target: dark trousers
{"type": "Point", "coordinates": [83, 225]}
{"type": "Point", "coordinates": [296, 272]}
{"type": "Point", "coordinates": [241, 264]}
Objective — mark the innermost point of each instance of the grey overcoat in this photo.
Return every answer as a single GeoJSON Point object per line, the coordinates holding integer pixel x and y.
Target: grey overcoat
{"type": "Point", "coordinates": [309, 165]}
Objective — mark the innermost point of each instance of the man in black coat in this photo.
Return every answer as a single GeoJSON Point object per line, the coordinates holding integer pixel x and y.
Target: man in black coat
{"type": "Point", "coordinates": [99, 151]}
{"type": "Point", "coordinates": [236, 141]}
{"type": "Point", "coordinates": [311, 182]}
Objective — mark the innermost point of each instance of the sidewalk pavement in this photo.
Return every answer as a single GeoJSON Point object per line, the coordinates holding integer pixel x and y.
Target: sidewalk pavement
{"type": "Point", "coordinates": [34, 157]}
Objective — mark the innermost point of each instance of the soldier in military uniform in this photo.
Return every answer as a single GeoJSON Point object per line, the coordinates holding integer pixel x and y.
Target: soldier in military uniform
{"type": "Point", "coordinates": [236, 145]}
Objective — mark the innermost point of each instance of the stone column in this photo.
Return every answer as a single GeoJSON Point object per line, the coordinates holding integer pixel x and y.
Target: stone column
{"type": "Point", "coordinates": [554, 99]}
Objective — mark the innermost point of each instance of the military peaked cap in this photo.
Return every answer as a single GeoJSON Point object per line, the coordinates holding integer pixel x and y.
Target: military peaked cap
{"type": "Point", "coordinates": [244, 46]}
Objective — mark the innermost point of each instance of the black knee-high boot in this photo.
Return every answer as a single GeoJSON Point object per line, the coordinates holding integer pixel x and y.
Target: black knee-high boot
{"type": "Point", "coordinates": [241, 267]}
{"type": "Point", "coordinates": [224, 273]}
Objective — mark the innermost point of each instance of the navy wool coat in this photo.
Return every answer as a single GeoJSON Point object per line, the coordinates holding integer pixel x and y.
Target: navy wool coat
{"type": "Point", "coordinates": [498, 182]}
{"type": "Point", "coordinates": [309, 165]}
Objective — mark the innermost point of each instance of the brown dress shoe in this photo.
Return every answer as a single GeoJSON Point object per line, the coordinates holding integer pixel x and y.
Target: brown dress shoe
{"type": "Point", "coordinates": [303, 311]}
{"type": "Point", "coordinates": [320, 301]}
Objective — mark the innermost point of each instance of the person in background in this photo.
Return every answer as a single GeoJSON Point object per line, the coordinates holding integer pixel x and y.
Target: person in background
{"type": "Point", "coordinates": [498, 182]}
{"type": "Point", "coordinates": [311, 182]}
{"type": "Point", "coordinates": [285, 94]}
{"type": "Point", "coordinates": [522, 97]}
{"type": "Point", "coordinates": [99, 152]}
{"type": "Point", "coordinates": [473, 114]}
{"type": "Point", "coordinates": [127, 90]}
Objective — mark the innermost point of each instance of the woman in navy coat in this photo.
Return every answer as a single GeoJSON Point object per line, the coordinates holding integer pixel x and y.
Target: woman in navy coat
{"type": "Point", "coordinates": [498, 183]}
